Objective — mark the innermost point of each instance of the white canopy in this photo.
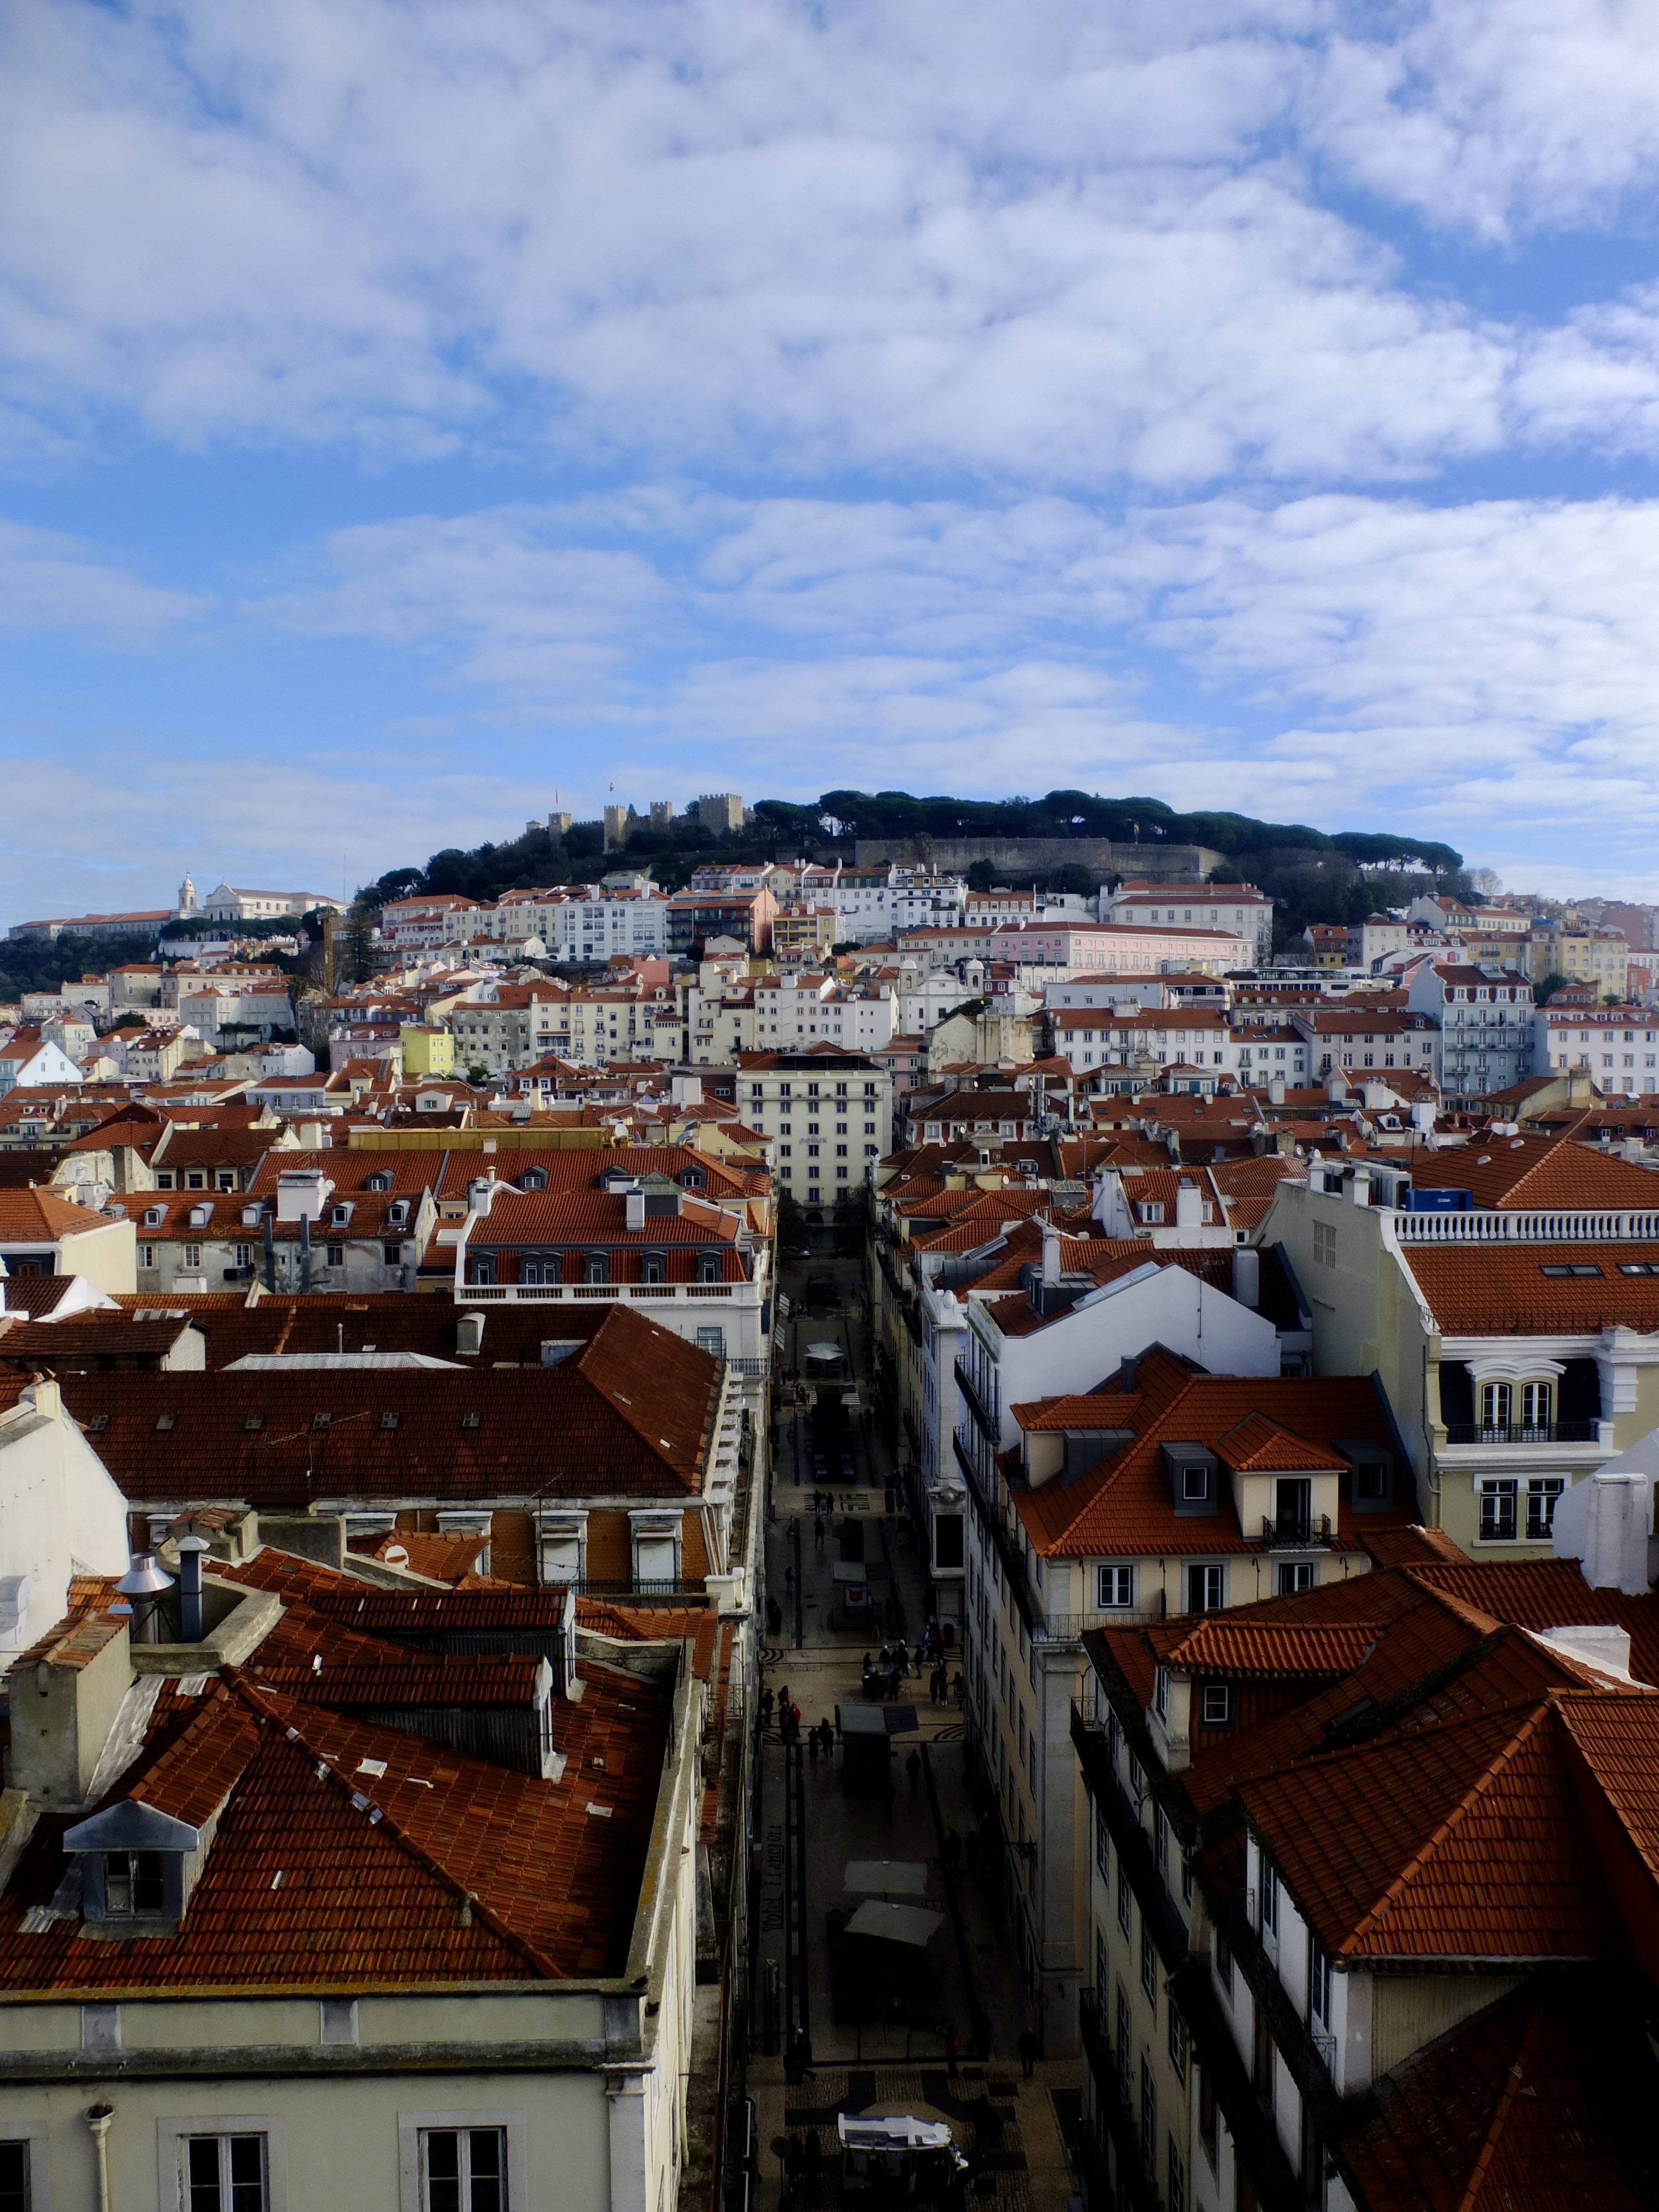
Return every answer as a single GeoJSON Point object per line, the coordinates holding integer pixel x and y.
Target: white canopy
{"type": "Point", "coordinates": [896, 1923]}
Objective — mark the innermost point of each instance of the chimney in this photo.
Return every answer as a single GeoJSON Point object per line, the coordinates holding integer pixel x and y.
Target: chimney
{"type": "Point", "coordinates": [1362, 1187]}
{"type": "Point", "coordinates": [469, 1333]}
{"type": "Point", "coordinates": [143, 1586]}
{"type": "Point", "coordinates": [481, 1194]}
{"type": "Point", "coordinates": [1276, 1092]}
{"type": "Point", "coordinates": [192, 1623]}
{"type": "Point", "coordinates": [1050, 1255]}
{"type": "Point", "coordinates": [1189, 1206]}
{"type": "Point", "coordinates": [1246, 1275]}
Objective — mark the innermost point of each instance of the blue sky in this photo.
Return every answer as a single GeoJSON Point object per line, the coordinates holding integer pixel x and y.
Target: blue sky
{"type": "Point", "coordinates": [409, 412]}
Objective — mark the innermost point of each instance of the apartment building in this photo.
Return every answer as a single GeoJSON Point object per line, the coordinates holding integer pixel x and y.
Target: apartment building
{"type": "Point", "coordinates": [245, 1826]}
{"type": "Point", "coordinates": [645, 1233]}
{"type": "Point", "coordinates": [1361, 1928]}
{"type": "Point", "coordinates": [1619, 1045]}
{"type": "Point", "coordinates": [1484, 1015]}
{"type": "Point", "coordinates": [828, 1114]}
{"type": "Point", "coordinates": [1168, 1492]}
{"type": "Point", "coordinates": [1507, 1295]}
{"type": "Point", "coordinates": [1237, 909]}
{"type": "Point", "coordinates": [42, 1234]}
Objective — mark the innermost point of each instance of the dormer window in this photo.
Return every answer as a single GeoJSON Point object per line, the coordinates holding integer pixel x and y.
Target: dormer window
{"type": "Point", "coordinates": [1194, 1485]}
{"type": "Point", "coordinates": [138, 1867]}
{"type": "Point", "coordinates": [380, 1181]}
{"type": "Point", "coordinates": [154, 1216]}
{"type": "Point", "coordinates": [533, 1179]}
{"type": "Point", "coordinates": [134, 1883]}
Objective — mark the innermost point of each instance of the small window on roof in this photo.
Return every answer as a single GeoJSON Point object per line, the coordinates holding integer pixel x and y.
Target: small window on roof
{"type": "Point", "coordinates": [164, 1420]}
{"type": "Point", "coordinates": [1574, 1267]}
{"type": "Point", "coordinates": [98, 1424]}
{"type": "Point", "coordinates": [388, 1420]}
{"type": "Point", "coordinates": [471, 1420]}
{"type": "Point", "coordinates": [1638, 1268]}
{"type": "Point", "coordinates": [321, 1420]}
{"type": "Point", "coordinates": [254, 1421]}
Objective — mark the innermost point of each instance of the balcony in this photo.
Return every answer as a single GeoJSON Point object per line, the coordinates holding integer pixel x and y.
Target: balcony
{"type": "Point", "coordinates": [985, 1420]}
{"type": "Point", "coordinates": [1518, 1432]}
{"type": "Point", "coordinates": [1011, 1555]}
{"type": "Point", "coordinates": [1297, 1532]}
{"type": "Point", "coordinates": [1135, 2187]}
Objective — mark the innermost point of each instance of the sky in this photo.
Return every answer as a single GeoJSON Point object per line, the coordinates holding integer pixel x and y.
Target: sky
{"type": "Point", "coordinates": [414, 416]}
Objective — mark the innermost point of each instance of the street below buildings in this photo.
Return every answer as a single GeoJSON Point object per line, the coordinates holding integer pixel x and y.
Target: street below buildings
{"type": "Point", "coordinates": [877, 1826]}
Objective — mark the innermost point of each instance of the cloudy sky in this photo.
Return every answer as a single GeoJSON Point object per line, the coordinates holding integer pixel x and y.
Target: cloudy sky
{"type": "Point", "coordinates": [410, 412]}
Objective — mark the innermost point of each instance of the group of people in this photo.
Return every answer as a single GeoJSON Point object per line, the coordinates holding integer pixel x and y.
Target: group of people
{"type": "Point", "coordinates": [787, 1713]}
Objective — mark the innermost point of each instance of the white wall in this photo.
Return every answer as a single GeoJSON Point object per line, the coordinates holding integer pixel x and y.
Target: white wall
{"type": "Point", "coordinates": [60, 1513]}
{"type": "Point", "coordinates": [1083, 1347]}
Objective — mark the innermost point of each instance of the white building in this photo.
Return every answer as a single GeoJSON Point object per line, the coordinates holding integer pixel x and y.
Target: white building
{"type": "Point", "coordinates": [61, 1515]}
{"type": "Point", "coordinates": [1237, 908]}
{"type": "Point", "coordinates": [231, 902]}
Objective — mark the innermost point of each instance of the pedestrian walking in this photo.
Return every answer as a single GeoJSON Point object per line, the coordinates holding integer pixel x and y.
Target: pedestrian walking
{"type": "Point", "coordinates": [866, 1662]}
{"type": "Point", "coordinates": [952, 2050]}
{"type": "Point", "coordinates": [912, 1768]}
{"type": "Point", "coordinates": [792, 2159]}
{"type": "Point", "coordinates": [1027, 2051]}
{"type": "Point", "coordinates": [818, 1533]}
{"type": "Point", "coordinates": [811, 2159]}
{"type": "Point", "coordinates": [812, 1747]}
{"type": "Point", "coordinates": [766, 1709]}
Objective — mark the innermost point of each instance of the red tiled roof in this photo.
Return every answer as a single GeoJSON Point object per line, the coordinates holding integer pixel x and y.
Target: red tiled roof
{"type": "Point", "coordinates": [1454, 1842]}
{"type": "Point", "coordinates": [1478, 1289]}
{"type": "Point", "coordinates": [1224, 1645]}
{"type": "Point", "coordinates": [1124, 1508]}
{"type": "Point", "coordinates": [626, 1415]}
{"type": "Point", "coordinates": [1528, 2107]}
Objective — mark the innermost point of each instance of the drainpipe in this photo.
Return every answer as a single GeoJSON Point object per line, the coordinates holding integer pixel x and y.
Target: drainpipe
{"type": "Point", "coordinates": [271, 1254]}
{"type": "Point", "coordinates": [305, 1251]}
{"type": "Point", "coordinates": [98, 2117]}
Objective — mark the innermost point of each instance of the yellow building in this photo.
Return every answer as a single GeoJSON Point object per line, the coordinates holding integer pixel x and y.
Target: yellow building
{"type": "Point", "coordinates": [426, 1051]}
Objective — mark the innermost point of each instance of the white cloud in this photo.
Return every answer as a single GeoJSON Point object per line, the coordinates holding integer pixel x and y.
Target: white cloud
{"type": "Point", "coordinates": [1052, 245]}
{"type": "Point", "coordinates": [1494, 116]}
{"type": "Point", "coordinates": [51, 582]}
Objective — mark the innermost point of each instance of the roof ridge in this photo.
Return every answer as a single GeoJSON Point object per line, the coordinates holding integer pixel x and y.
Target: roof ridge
{"type": "Point", "coordinates": [1512, 2080]}
{"type": "Point", "coordinates": [1538, 1711]}
{"type": "Point", "coordinates": [328, 1773]}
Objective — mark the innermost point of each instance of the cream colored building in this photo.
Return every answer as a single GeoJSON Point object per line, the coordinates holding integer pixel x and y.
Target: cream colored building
{"type": "Point", "coordinates": [1517, 1342]}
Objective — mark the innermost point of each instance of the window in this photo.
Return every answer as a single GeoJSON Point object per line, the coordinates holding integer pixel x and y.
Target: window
{"type": "Point", "coordinates": [1497, 1517]}
{"type": "Point", "coordinates": [1269, 1898]}
{"type": "Point", "coordinates": [1294, 1575]}
{"type": "Point", "coordinates": [1114, 1589]}
{"type": "Point", "coordinates": [146, 1255]}
{"type": "Point", "coordinates": [225, 2173]}
{"type": "Point", "coordinates": [1177, 2044]}
{"type": "Point", "coordinates": [1148, 2114]}
{"type": "Point", "coordinates": [1324, 1243]}
{"type": "Point", "coordinates": [713, 1341]}
{"type": "Point", "coordinates": [1218, 1707]}
{"type": "Point", "coordinates": [192, 1255]}
{"type": "Point", "coordinates": [1541, 1494]}
{"type": "Point", "coordinates": [1122, 2040]}
{"type": "Point", "coordinates": [1223, 1963]}
{"type": "Point", "coordinates": [1177, 2191]}
{"type": "Point", "coordinates": [464, 2170]}
{"type": "Point", "coordinates": [1209, 2129]}
{"type": "Point", "coordinates": [134, 1883]}
{"type": "Point", "coordinates": [336, 1255]}
{"type": "Point", "coordinates": [1319, 1983]}
{"type": "Point", "coordinates": [1195, 1484]}
{"type": "Point", "coordinates": [1148, 1962]}
{"type": "Point", "coordinates": [1122, 1896]}
{"type": "Point", "coordinates": [1161, 1839]}
{"type": "Point", "coordinates": [1204, 1590]}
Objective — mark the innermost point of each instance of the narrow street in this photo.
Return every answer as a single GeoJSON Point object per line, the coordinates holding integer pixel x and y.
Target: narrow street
{"type": "Point", "coordinates": [877, 2016]}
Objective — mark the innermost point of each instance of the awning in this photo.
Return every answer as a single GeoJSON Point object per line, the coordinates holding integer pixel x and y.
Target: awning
{"type": "Point", "coordinates": [879, 1720]}
{"type": "Point", "coordinates": [896, 1923]}
{"type": "Point", "coordinates": [888, 1877]}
